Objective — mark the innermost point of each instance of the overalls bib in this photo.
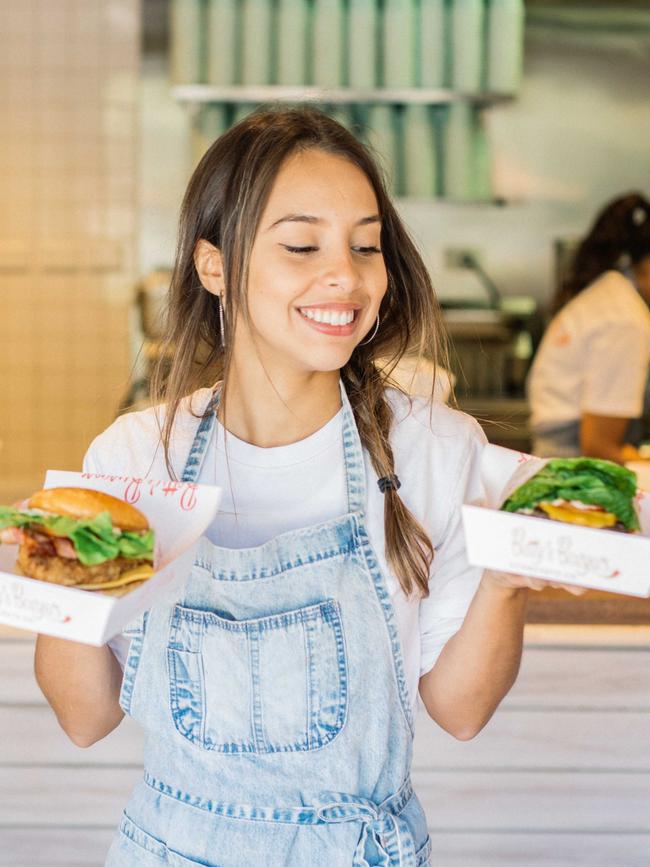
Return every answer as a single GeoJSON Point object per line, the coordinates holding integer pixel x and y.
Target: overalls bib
{"type": "Point", "coordinates": [278, 721]}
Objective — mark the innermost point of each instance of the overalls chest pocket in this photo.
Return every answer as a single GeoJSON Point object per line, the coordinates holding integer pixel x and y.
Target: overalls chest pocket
{"type": "Point", "coordinates": [271, 684]}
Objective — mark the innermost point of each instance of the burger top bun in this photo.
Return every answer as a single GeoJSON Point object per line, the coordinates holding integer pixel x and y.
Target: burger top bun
{"type": "Point", "coordinates": [83, 503]}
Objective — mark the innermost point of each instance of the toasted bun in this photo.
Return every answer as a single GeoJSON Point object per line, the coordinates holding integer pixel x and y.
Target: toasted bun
{"type": "Point", "coordinates": [72, 573]}
{"type": "Point", "coordinates": [84, 503]}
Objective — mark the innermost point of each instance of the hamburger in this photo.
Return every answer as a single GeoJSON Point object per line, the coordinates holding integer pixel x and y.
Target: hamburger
{"type": "Point", "coordinates": [80, 538]}
{"type": "Point", "coordinates": [586, 491]}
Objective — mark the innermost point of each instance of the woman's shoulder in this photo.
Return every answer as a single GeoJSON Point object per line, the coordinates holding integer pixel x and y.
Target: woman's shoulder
{"type": "Point", "coordinates": [613, 296]}
{"type": "Point", "coordinates": [432, 424]}
{"type": "Point", "coordinates": [437, 452]}
{"type": "Point", "coordinates": [435, 417]}
{"type": "Point", "coordinates": [609, 279]}
{"type": "Point", "coordinates": [135, 439]}
{"type": "Point", "coordinates": [146, 424]}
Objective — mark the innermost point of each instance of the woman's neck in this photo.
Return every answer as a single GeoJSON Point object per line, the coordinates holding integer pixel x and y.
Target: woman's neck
{"type": "Point", "coordinates": [269, 410]}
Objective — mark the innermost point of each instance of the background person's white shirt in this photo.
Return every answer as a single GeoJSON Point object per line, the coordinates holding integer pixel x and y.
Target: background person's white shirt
{"type": "Point", "coordinates": [594, 356]}
{"type": "Point", "coordinates": [270, 491]}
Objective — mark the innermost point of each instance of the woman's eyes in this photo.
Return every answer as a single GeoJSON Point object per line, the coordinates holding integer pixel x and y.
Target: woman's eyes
{"type": "Point", "coordinates": [299, 249]}
{"type": "Point", "coordinates": [366, 251]}
{"type": "Point", "coordinates": [363, 251]}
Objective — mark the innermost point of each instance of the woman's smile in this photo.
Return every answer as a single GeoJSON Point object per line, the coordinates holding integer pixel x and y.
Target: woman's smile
{"type": "Point", "coordinates": [336, 319]}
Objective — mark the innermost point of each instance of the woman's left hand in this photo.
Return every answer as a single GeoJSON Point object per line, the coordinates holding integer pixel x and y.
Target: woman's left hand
{"type": "Point", "coordinates": [517, 582]}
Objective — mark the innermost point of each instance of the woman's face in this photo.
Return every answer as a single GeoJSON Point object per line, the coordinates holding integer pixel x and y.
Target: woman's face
{"type": "Point", "coordinates": [317, 274]}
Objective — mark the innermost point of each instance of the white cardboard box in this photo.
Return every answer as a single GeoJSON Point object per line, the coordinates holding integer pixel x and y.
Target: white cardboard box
{"type": "Point", "coordinates": [561, 553]}
{"type": "Point", "coordinates": [179, 512]}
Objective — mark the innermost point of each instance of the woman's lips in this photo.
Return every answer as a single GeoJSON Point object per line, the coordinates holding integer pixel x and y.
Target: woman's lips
{"type": "Point", "coordinates": [338, 330]}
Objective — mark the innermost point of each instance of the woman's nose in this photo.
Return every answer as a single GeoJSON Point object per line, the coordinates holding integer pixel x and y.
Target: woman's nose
{"type": "Point", "coordinates": [342, 272]}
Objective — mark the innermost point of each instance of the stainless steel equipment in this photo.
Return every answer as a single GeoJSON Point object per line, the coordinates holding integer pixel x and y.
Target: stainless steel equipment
{"type": "Point", "coordinates": [492, 348]}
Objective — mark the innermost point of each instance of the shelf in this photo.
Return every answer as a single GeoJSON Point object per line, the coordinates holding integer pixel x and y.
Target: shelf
{"type": "Point", "coordinates": [494, 202]}
{"type": "Point", "coordinates": [207, 93]}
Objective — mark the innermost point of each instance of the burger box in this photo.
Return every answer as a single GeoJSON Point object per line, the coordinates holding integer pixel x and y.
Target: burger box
{"type": "Point", "coordinates": [541, 548]}
{"type": "Point", "coordinates": [178, 512]}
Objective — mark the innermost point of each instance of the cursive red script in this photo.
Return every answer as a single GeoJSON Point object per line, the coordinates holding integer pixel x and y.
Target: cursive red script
{"type": "Point", "coordinates": [135, 489]}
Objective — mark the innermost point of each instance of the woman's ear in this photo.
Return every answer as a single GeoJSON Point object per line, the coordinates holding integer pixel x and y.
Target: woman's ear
{"type": "Point", "coordinates": [209, 266]}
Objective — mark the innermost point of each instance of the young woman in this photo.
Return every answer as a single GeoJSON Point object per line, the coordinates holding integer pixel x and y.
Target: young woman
{"type": "Point", "coordinates": [278, 690]}
{"type": "Point", "coordinates": [588, 381]}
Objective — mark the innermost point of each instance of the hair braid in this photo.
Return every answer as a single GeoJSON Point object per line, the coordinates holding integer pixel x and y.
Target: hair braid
{"type": "Point", "coordinates": [409, 551]}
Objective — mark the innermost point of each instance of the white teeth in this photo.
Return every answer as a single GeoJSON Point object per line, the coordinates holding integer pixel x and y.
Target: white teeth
{"type": "Point", "coordinates": [330, 317]}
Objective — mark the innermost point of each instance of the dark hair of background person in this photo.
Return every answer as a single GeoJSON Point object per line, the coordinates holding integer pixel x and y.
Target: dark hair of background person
{"type": "Point", "coordinates": [620, 235]}
{"type": "Point", "coordinates": [223, 204]}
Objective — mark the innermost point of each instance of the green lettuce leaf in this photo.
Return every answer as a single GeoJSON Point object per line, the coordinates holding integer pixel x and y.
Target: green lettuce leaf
{"type": "Point", "coordinates": [588, 480]}
{"type": "Point", "coordinates": [95, 540]}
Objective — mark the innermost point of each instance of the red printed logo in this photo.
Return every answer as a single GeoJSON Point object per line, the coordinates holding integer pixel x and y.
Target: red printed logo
{"type": "Point", "coordinates": [136, 488]}
{"type": "Point", "coordinates": [132, 491]}
{"type": "Point", "coordinates": [188, 498]}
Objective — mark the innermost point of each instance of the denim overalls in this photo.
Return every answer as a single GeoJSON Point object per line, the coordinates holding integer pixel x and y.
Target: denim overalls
{"type": "Point", "coordinates": [278, 721]}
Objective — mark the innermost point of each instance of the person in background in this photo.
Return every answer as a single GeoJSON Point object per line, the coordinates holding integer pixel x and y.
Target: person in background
{"type": "Point", "coordinates": [587, 385]}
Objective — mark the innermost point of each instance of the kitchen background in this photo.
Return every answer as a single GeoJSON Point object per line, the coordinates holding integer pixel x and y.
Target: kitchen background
{"type": "Point", "coordinates": [95, 152]}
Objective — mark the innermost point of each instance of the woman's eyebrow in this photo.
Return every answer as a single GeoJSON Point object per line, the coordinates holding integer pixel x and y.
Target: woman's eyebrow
{"type": "Point", "coordinates": [308, 218]}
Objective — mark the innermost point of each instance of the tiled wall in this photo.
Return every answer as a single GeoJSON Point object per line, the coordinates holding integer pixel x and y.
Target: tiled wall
{"type": "Point", "coordinates": [68, 246]}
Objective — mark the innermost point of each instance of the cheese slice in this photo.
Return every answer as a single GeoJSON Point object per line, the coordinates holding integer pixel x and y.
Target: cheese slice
{"type": "Point", "coordinates": [584, 517]}
{"type": "Point", "coordinates": [140, 573]}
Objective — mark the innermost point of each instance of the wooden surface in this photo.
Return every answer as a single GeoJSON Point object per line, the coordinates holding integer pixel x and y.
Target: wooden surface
{"type": "Point", "coordinates": [595, 606]}
{"type": "Point", "coordinates": [561, 775]}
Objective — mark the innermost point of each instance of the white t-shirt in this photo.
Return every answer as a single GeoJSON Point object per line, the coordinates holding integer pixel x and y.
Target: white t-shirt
{"type": "Point", "coordinates": [273, 490]}
{"type": "Point", "coordinates": [594, 356]}
{"type": "Point", "coordinates": [415, 376]}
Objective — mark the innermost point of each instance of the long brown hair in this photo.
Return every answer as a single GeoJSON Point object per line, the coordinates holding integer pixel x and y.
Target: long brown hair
{"type": "Point", "coordinates": [621, 229]}
{"type": "Point", "coordinates": [223, 204]}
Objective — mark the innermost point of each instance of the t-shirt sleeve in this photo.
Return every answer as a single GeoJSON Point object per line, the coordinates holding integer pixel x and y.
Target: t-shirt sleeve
{"type": "Point", "coordinates": [453, 581]}
{"type": "Point", "coordinates": [90, 463]}
{"type": "Point", "coordinates": [616, 370]}
{"type": "Point", "coordinates": [119, 646]}
{"type": "Point", "coordinates": [102, 449]}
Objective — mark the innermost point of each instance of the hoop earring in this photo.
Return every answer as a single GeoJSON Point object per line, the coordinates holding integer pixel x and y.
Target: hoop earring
{"type": "Point", "coordinates": [221, 322]}
{"type": "Point", "coordinates": [373, 335]}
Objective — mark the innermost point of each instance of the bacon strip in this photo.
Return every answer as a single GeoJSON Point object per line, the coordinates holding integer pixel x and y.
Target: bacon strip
{"type": "Point", "coordinates": [11, 536]}
{"type": "Point", "coordinates": [39, 544]}
{"type": "Point", "coordinates": [64, 548]}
